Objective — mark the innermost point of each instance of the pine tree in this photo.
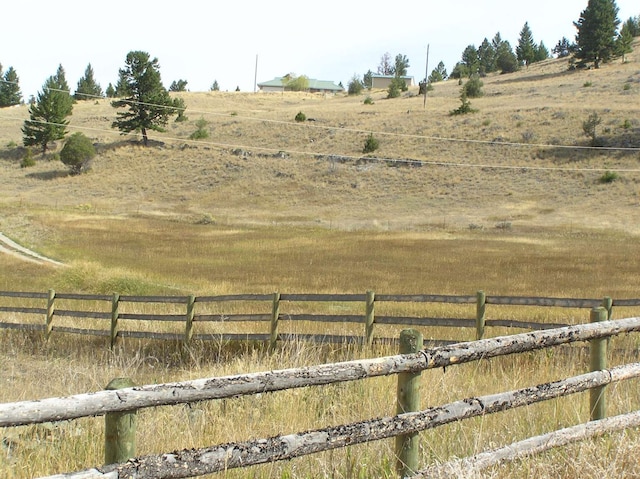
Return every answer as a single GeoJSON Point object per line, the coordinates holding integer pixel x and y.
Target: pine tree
{"type": "Point", "coordinates": [48, 115]}
{"type": "Point", "coordinates": [597, 26]}
{"type": "Point", "coordinates": [541, 52]}
{"type": "Point", "coordinates": [401, 65]}
{"type": "Point", "coordinates": [486, 57]}
{"type": "Point", "coordinates": [526, 49]}
{"type": "Point", "coordinates": [470, 60]}
{"type": "Point", "coordinates": [215, 86]}
{"type": "Point", "coordinates": [9, 88]}
{"type": "Point", "coordinates": [506, 60]}
{"type": "Point", "coordinates": [439, 73]}
{"type": "Point", "coordinates": [148, 102]}
{"type": "Point", "coordinates": [88, 88]}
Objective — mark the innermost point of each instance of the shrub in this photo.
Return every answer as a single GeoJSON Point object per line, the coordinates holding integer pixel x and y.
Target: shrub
{"type": "Point", "coordinates": [201, 133]}
{"type": "Point", "coordinates": [355, 86]}
{"type": "Point", "coordinates": [77, 152]}
{"type": "Point", "coordinates": [626, 124]}
{"type": "Point", "coordinates": [301, 117]}
{"type": "Point", "coordinates": [28, 159]}
{"type": "Point", "coordinates": [396, 87]}
{"type": "Point", "coordinates": [587, 84]}
{"type": "Point", "coordinates": [590, 127]}
{"type": "Point", "coordinates": [627, 87]}
{"type": "Point", "coordinates": [368, 100]}
{"type": "Point", "coordinates": [371, 144]}
{"type": "Point", "coordinates": [473, 87]}
{"type": "Point", "coordinates": [465, 106]}
{"type": "Point", "coordinates": [609, 177]}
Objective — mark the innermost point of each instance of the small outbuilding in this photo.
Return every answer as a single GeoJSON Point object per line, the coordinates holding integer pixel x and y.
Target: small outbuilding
{"type": "Point", "coordinates": [278, 84]}
{"type": "Point", "coordinates": [382, 82]}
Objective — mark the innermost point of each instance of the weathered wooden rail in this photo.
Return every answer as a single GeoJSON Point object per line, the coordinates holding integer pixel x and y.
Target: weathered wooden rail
{"type": "Point", "coordinates": [194, 462]}
{"type": "Point", "coordinates": [108, 308]}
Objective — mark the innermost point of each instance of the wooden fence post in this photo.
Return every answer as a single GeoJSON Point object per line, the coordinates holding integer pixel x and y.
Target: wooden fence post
{"type": "Point", "coordinates": [407, 445]}
{"type": "Point", "coordinates": [188, 329]}
{"type": "Point", "coordinates": [481, 306]}
{"type": "Point", "coordinates": [369, 318]}
{"type": "Point", "coordinates": [598, 348]}
{"type": "Point", "coordinates": [51, 309]}
{"type": "Point", "coordinates": [115, 312]}
{"type": "Point", "coordinates": [119, 429]}
{"type": "Point", "coordinates": [275, 314]}
{"type": "Point", "coordinates": [607, 303]}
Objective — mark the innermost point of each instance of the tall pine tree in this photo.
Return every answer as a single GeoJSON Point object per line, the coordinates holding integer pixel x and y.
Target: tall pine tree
{"type": "Point", "coordinates": [596, 37]}
{"type": "Point", "coordinates": [526, 49]}
{"type": "Point", "coordinates": [9, 88]}
{"type": "Point", "coordinates": [88, 88]}
{"type": "Point", "coordinates": [148, 103]}
{"type": "Point", "coordinates": [48, 115]}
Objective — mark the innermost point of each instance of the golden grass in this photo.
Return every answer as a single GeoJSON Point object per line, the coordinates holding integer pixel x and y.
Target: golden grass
{"type": "Point", "coordinates": [204, 218]}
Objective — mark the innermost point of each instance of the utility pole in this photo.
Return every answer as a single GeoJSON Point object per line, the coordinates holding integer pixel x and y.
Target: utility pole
{"type": "Point", "coordinates": [255, 77]}
{"type": "Point", "coordinates": [426, 78]}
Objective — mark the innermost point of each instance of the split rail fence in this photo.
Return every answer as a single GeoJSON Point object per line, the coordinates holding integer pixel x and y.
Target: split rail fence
{"type": "Point", "coordinates": [404, 427]}
{"type": "Point", "coordinates": [109, 308]}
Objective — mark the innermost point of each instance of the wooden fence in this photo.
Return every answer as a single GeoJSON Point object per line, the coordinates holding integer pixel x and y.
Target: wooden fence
{"type": "Point", "coordinates": [195, 462]}
{"type": "Point", "coordinates": [108, 308]}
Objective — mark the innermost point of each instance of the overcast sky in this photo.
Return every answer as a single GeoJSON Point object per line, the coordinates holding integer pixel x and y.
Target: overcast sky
{"type": "Point", "coordinates": [203, 41]}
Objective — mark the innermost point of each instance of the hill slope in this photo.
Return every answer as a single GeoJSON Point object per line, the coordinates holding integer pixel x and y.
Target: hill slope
{"type": "Point", "coordinates": [493, 167]}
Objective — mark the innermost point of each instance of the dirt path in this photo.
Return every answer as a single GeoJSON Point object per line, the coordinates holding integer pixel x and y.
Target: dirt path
{"type": "Point", "coordinates": [12, 248]}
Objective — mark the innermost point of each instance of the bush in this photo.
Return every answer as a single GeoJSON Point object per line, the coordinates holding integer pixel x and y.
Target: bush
{"type": "Point", "coordinates": [371, 144]}
{"type": "Point", "coordinates": [590, 127]}
{"type": "Point", "coordinates": [77, 152]}
{"type": "Point", "coordinates": [201, 133]}
{"type": "Point", "coordinates": [355, 86]}
{"type": "Point", "coordinates": [609, 177]}
{"type": "Point", "coordinates": [301, 117]}
{"type": "Point", "coordinates": [396, 87]}
{"type": "Point", "coordinates": [465, 106]}
{"type": "Point", "coordinates": [28, 159]}
{"type": "Point", "coordinates": [368, 100]}
{"type": "Point", "coordinates": [473, 87]}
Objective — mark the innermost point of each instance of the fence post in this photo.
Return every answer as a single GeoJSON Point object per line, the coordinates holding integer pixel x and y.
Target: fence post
{"type": "Point", "coordinates": [119, 429]}
{"type": "Point", "coordinates": [481, 306]}
{"type": "Point", "coordinates": [188, 330]}
{"type": "Point", "coordinates": [369, 318]}
{"type": "Point", "coordinates": [598, 348]}
{"type": "Point", "coordinates": [115, 312]}
{"type": "Point", "coordinates": [407, 445]}
{"type": "Point", "coordinates": [275, 314]}
{"type": "Point", "coordinates": [607, 303]}
{"type": "Point", "coordinates": [51, 309]}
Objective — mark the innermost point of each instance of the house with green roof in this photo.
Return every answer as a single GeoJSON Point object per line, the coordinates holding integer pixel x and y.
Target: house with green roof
{"type": "Point", "coordinates": [279, 84]}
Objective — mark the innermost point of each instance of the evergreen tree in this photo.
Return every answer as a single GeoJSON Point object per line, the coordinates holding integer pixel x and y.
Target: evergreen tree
{"type": "Point", "coordinates": [632, 25]}
{"type": "Point", "coordinates": [180, 85]}
{"type": "Point", "coordinates": [215, 86]}
{"type": "Point", "coordinates": [48, 115]}
{"type": "Point", "coordinates": [9, 88]}
{"type": "Point", "coordinates": [122, 87]}
{"type": "Point", "coordinates": [401, 65]}
{"type": "Point", "coordinates": [596, 37]}
{"type": "Point", "coordinates": [110, 91]}
{"type": "Point", "coordinates": [439, 73]}
{"type": "Point", "coordinates": [486, 57]}
{"type": "Point", "coordinates": [624, 42]}
{"type": "Point", "coordinates": [526, 49]}
{"type": "Point", "coordinates": [470, 60]}
{"type": "Point", "coordinates": [367, 79]}
{"type": "Point", "coordinates": [541, 53]}
{"type": "Point", "coordinates": [563, 48]}
{"type": "Point", "coordinates": [355, 86]}
{"type": "Point", "coordinates": [88, 88]}
{"type": "Point", "coordinates": [506, 60]}
{"type": "Point", "coordinates": [148, 102]}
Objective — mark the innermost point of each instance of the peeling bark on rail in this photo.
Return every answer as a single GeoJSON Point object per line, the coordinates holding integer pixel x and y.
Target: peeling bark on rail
{"type": "Point", "coordinates": [102, 402]}
{"type": "Point", "coordinates": [196, 462]}
{"type": "Point", "coordinates": [528, 447]}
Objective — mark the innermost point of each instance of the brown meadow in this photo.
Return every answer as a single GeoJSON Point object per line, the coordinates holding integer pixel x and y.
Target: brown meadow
{"type": "Point", "coordinates": [501, 200]}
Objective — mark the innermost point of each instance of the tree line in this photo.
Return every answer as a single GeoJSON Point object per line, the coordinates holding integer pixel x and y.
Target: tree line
{"type": "Point", "coordinates": [597, 40]}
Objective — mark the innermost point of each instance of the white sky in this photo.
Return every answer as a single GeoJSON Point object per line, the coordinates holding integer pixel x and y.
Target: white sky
{"type": "Point", "coordinates": [202, 41]}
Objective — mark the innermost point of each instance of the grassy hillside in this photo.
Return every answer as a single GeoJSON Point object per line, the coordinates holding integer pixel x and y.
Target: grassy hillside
{"type": "Point", "coordinates": [512, 161]}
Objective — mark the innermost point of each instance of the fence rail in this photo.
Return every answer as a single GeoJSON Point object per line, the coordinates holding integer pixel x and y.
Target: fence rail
{"type": "Point", "coordinates": [192, 462]}
{"type": "Point", "coordinates": [194, 312]}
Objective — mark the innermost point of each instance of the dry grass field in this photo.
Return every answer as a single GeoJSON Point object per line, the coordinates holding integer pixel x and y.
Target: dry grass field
{"type": "Point", "coordinates": [507, 200]}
